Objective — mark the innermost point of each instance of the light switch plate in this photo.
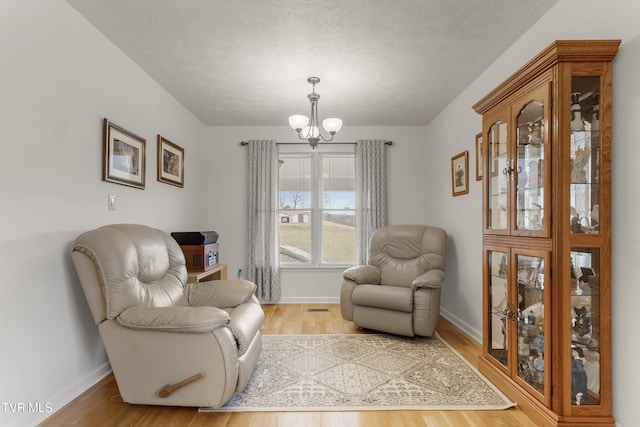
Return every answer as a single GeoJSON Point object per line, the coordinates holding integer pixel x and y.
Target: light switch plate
{"type": "Point", "coordinates": [112, 202]}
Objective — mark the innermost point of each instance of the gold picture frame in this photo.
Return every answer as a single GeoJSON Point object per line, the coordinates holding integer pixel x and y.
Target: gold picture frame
{"type": "Point", "coordinates": [123, 156]}
{"type": "Point", "coordinates": [170, 162]}
{"type": "Point", "coordinates": [460, 173]}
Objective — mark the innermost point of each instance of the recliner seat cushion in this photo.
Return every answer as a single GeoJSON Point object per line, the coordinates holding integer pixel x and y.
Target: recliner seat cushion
{"type": "Point", "coordinates": [388, 297]}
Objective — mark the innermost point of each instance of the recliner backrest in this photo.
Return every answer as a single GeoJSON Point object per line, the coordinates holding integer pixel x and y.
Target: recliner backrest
{"type": "Point", "coordinates": [137, 266]}
{"type": "Point", "coordinates": [404, 252]}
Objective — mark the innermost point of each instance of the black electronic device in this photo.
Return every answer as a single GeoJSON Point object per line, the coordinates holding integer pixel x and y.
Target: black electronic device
{"type": "Point", "coordinates": [195, 237]}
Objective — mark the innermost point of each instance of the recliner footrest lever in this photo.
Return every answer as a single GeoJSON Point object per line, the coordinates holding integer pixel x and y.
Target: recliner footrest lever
{"type": "Point", "coordinates": [168, 389]}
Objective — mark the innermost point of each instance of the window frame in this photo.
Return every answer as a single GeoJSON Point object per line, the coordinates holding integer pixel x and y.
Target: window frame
{"type": "Point", "coordinates": [316, 209]}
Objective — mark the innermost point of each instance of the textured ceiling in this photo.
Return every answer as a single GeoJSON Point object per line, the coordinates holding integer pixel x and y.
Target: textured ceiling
{"type": "Point", "coordinates": [246, 62]}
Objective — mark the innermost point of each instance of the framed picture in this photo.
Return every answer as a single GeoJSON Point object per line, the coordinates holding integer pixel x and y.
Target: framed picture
{"type": "Point", "coordinates": [460, 173]}
{"type": "Point", "coordinates": [479, 158]}
{"type": "Point", "coordinates": [123, 156]}
{"type": "Point", "coordinates": [170, 162]}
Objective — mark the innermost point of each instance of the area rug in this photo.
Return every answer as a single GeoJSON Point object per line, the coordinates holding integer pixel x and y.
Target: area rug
{"type": "Point", "coordinates": [363, 372]}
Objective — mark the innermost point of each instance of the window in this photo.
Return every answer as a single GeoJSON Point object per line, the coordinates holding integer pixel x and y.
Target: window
{"type": "Point", "coordinates": [317, 202]}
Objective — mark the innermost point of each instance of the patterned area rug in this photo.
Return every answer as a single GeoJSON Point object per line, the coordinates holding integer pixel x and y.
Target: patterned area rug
{"type": "Point", "coordinates": [363, 372]}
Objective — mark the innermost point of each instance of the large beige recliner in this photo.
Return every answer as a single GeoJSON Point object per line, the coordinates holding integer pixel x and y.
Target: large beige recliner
{"type": "Point", "coordinates": [168, 342]}
{"type": "Point", "coordinates": [399, 291]}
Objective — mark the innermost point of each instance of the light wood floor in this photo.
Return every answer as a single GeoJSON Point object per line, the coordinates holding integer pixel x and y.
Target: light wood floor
{"type": "Point", "coordinates": [94, 407]}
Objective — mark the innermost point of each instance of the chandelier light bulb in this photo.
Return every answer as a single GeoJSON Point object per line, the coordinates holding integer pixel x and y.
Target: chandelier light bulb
{"type": "Point", "coordinates": [310, 132]}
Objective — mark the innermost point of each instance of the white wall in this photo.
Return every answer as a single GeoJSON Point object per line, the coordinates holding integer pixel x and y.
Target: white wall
{"type": "Point", "coordinates": [227, 174]}
{"type": "Point", "coordinates": [59, 78]}
{"type": "Point", "coordinates": [455, 128]}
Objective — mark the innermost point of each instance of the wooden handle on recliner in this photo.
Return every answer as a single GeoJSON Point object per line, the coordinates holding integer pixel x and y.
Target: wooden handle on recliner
{"type": "Point", "coordinates": [168, 389]}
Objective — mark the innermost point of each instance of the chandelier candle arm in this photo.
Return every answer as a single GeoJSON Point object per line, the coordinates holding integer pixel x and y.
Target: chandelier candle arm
{"type": "Point", "coordinates": [308, 128]}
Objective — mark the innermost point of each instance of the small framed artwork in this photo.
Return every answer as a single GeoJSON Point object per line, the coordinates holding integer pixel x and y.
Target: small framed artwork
{"type": "Point", "coordinates": [170, 162]}
{"type": "Point", "coordinates": [123, 156]}
{"type": "Point", "coordinates": [479, 158]}
{"type": "Point", "coordinates": [460, 173]}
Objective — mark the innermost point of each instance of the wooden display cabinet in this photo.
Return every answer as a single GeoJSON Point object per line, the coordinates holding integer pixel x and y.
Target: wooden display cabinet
{"type": "Point", "coordinates": [547, 234]}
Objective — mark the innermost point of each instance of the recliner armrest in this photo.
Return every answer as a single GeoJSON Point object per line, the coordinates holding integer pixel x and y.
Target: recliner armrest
{"type": "Point", "coordinates": [430, 279]}
{"type": "Point", "coordinates": [246, 321]}
{"type": "Point", "coordinates": [174, 319]}
{"type": "Point", "coordinates": [360, 274]}
{"type": "Point", "coordinates": [220, 293]}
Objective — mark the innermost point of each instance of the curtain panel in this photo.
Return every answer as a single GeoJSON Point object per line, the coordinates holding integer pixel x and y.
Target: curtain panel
{"type": "Point", "coordinates": [371, 193]}
{"type": "Point", "coordinates": [263, 255]}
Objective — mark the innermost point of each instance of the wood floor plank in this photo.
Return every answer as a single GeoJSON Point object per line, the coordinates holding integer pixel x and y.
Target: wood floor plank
{"type": "Point", "coordinates": [95, 408]}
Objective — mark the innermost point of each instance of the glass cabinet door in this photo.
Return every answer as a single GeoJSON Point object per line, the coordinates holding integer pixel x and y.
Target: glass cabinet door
{"type": "Point", "coordinates": [529, 169]}
{"type": "Point", "coordinates": [517, 171]}
{"type": "Point", "coordinates": [531, 364]}
{"type": "Point", "coordinates": [585, 326]}
{"type": "Point", "coordinates": [585, 155]}
{"type": "Point", "coordinates": [497, 177]}
{"type": "Point", "coordinates": [500, 308]}
{"type": "Point", "coordinates": [587, 239]}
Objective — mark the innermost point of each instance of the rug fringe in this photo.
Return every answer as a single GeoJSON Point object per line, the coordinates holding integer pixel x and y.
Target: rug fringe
{"type": "Point", "coordinates": [359, 409]}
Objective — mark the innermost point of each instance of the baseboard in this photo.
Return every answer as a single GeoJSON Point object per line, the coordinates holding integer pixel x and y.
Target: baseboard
{"type": "Point", "coordinates": [66, 396]}
{"type": "Point", "coordinates": [467, 328]}
{"type": "Point", "coordinates": [310, 300]}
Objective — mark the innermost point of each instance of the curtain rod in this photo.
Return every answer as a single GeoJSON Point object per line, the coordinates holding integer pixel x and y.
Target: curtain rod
{"type": "Point", "coordinates": [243, 143]}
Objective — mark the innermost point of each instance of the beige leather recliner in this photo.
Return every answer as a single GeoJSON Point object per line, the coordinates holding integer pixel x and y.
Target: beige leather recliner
{"type": "Point", "coordinates": [168, 342]}
{"type": "Point", "coordinates": [399, 291]}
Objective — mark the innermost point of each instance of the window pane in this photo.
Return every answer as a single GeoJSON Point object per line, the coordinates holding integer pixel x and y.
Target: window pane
{"type": "Point", "coordinates": [295, 182]}
{"type": "Point", "coordinates": [338, 182]}
{"type": "Point", "coordinates": [294, 233]}
{"type": "Point", "coordinates": [339, 237]}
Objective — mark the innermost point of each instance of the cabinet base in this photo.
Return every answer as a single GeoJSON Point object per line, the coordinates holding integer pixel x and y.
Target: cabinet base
{"type": "Point", "coordinates": [534, 409]}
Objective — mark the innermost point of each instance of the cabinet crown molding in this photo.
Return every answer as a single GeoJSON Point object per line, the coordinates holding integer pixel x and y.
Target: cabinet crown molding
{"type": "Point", "coordinates": [558, 51]}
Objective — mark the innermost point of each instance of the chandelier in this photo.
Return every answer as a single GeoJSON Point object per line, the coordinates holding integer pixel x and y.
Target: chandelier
{"type": "Point", "coordinates": [310, 131]}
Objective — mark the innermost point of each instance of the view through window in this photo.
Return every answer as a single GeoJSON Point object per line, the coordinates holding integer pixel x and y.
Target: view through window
{"type": "Point", "coordinates": [317, 202]}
